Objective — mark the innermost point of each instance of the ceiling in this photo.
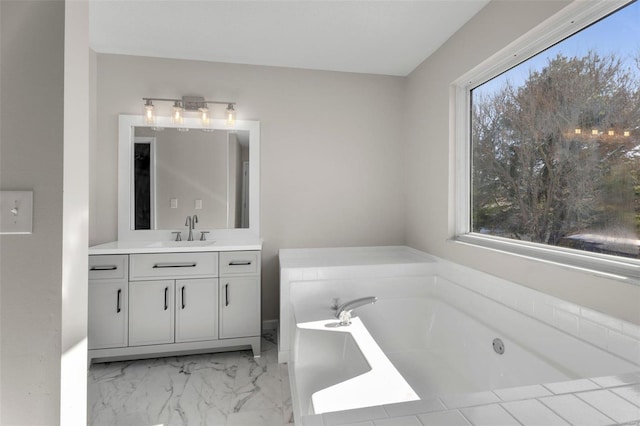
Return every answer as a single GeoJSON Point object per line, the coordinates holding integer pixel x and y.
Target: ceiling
{"type": "Point", "coordinates": [375, 37]}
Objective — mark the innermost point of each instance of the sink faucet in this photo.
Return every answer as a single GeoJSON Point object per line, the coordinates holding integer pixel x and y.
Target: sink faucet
{"type": "Point", "coordinates": [191, 224]}
{"type": "Point", "coordinates": [343, 313]}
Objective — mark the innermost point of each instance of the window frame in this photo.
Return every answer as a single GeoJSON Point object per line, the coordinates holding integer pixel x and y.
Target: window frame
{"type": "Point", "coordinates": [560, 26]}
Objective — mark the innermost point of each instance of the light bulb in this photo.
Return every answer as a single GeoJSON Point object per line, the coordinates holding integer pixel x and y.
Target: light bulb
{"type": "Point", "coordinates": [177, 117]}
{"type": "Point", "coordinates": [149, 113]}
{"type": "Point", "coordinates": [205, 117]}
{"type": "Point", "coordinates": [231, 116]}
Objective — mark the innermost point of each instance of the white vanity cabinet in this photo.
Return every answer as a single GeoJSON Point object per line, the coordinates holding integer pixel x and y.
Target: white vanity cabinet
{"type": "Point", "coordinates": [151, 312]}
{"type": "Point", "coordinates": [168, 311]}
{"type": "Point", "coordinates": [171, 311]}
{"type": "Point", "coordinates": [196, 313]}
{"type": "Point", "coordinates": [239, 294]}
{"type": "Point", "coordinates": [107, 304]}
{"type": "Point", "coordinates": [145, 305]}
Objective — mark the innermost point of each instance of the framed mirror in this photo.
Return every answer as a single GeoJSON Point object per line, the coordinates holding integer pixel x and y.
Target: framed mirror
{"type": "Point", "coordinates": [167, 173]}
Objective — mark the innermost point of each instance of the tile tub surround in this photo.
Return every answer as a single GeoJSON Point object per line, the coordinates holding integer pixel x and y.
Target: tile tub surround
{"type": "Point", "coordinates": [616, 403]}
{"type": "Point", "coordinates": [613, 335]}
{"type": "Point", "coordinates": [229, 388]}
{"type": "Point", "coordinates": [312, 265]}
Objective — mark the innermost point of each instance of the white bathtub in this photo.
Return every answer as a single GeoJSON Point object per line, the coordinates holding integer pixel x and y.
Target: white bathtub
{"type": "Point", "coordinates": [426, 337]}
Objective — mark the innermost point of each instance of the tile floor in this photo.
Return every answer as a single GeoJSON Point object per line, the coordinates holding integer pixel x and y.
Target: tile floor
{"type": "Point", "coordinates": [228, 388]}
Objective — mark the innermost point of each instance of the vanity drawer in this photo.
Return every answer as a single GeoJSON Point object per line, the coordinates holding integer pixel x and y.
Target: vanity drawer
{"type": "Point", "coordinates": [239, 263]}
{"type": "Point", "coordinates": [173, 265]}
{"type": "Point", "coordinates": [108, 267]}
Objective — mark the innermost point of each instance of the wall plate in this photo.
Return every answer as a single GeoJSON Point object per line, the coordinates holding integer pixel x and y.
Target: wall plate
{"type": "Point", "coordinates": [16, 212]}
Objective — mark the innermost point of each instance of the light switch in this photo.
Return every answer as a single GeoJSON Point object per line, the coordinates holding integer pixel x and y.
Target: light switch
{"type": "Point", "coordinates": [198, 205]}
{"type": "Point", "coordinates": [16, 212]}
{"type": "Point", "coordinates": [174, 203]}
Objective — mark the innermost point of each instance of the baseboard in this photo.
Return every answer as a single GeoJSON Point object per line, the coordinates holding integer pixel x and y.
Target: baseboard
{"type": "Point", "coordinates": [270, 325]}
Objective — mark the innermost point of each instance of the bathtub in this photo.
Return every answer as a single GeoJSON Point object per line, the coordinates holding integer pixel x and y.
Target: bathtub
{"type": "Point", "coordinates": [430, 338]}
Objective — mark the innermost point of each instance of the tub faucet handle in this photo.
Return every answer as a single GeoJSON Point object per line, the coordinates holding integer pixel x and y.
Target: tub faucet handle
{"type": "Point", "coordinates": [345, 318]}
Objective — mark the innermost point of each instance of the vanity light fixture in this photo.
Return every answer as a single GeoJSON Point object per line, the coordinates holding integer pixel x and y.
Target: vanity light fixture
{"type": "Point", "coordinates": [149, 113]}
{"type": "Point", "coordinates": [188, 104]}
{"type": "Point", "coordinates": [177, 114]}
{"type": "Point", "coordinates": [204, 116]}
{"type": "Point", "coordinates": [231, 115]}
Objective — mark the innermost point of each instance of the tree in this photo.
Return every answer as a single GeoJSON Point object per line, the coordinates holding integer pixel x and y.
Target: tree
{"type": "Point", "coordinates": [539, 172]}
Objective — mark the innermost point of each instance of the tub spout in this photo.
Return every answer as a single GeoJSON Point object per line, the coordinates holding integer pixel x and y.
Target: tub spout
{"type": "Point", "coordinates": [343, 313]}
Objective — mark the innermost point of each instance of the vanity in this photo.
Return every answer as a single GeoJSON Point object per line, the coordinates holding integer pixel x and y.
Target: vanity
{"type": "Point", "coordinates": [162, 289]}
{"type": "Point", "coordinates": [147, 301]}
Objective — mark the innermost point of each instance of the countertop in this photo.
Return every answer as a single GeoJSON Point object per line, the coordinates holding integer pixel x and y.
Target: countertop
{"type": "Point", "coordinates": [216, 244]}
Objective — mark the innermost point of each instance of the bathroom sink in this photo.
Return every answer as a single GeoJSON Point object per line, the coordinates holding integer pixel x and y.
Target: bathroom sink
{"type": "Point", "coordinates": [174, 244]}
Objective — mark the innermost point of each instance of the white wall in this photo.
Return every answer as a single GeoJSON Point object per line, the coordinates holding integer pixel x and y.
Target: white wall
{"type": "Point", "coordinates": [331, 147]}
{"type": "Point", "coordinates": [428, 171]}
{"type": "Point", "coordinates": [32, 58]}
{"type": "Point", "coordinates": [75, 228]}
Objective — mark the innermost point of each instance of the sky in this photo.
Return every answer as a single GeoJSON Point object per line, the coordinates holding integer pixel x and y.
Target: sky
{"type": "Point", "coordinates": [618, 34]}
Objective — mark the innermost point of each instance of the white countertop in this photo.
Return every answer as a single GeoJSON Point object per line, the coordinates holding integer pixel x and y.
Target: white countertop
{"type": "Point", "coordinates": [219, 244]}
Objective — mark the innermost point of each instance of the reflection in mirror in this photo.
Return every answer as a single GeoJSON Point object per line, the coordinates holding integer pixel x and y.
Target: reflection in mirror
{"type": "Point", "coordinates": [179, 173]}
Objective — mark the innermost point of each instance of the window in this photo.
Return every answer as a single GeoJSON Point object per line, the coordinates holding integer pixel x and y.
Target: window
{"type": "Point", "coordinates": [553, 144]}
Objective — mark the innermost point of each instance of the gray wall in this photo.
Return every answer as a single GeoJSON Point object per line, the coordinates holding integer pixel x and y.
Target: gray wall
{"type": "Point", "coordinates": [31, 138]}
{"type": "Point", "coordinates": [428, 171]}
{"type": "Point", "coordinates": [331, 148]}
{"type": "Point", "coordinates": [44, 134]}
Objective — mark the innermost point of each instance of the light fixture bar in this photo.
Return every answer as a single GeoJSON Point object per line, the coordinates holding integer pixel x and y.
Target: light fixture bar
{"type": "Point", "coordinates": [190, 103]}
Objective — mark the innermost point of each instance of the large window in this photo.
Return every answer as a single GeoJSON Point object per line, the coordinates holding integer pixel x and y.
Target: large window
{"type": "Point", "coordinates": [554, 150]}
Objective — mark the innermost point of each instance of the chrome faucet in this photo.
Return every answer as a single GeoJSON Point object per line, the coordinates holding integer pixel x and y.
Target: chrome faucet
{"type": "Point", "coordinates": [343, 312]}
{"type": "Point", "coordinates": [191, 224]}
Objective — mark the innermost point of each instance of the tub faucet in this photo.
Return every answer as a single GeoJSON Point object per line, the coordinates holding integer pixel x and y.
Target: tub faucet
{"type": "Point", "coordinates": [343, 313]}
{"type": "Point", "coordinates": [191, 224]}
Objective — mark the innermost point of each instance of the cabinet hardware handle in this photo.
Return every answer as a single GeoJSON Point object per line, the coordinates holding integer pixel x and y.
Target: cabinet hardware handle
{"type": "Point", "coordinates": [175, 265]}
{"type": "Point", "coordinates": [240, 263]}
{"type": "Point", "coordinates": [118, 301]}
{"type": "Point", "coordinates": [166, 294]}
{"type": "Point", "coordinates": [226, 295]}
{"type": "Point", "coordinates": [104, 268]}
{"type": "Point", "coordinates": [183, 304]}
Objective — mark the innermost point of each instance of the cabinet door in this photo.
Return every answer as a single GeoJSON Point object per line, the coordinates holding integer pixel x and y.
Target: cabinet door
{"type": "Point", "coordinates": [239, 307]}
{"type": "Point", "coordinates": [107, 314]}
{"type": "Point", "coordinates": [151, 312]}
{"type": "Point", "coordinates": [196, 309]}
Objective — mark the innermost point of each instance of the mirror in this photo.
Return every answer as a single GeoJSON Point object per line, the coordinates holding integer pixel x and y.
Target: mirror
{"type": "Point", "coordinates": [168, 173]}
{"type": "Point", "coordinates": [177, 174]}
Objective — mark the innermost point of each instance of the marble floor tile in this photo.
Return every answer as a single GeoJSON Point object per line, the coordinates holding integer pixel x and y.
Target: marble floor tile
{"type": "Point", "coordinates": [257, 417]}
{"type": "Point", "coordinates": [228, 388]}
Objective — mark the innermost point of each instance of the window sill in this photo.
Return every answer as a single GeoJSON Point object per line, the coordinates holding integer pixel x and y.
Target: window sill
{"type": "Point", "coordinates": [606, 266]}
